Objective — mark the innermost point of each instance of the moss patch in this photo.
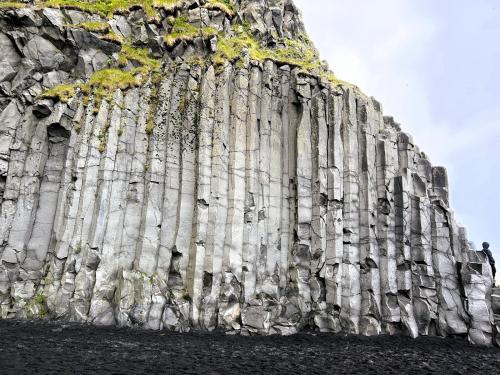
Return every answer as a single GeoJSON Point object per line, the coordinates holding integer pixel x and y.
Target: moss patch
{"type": "Point", "coordinates": [295, 52]}
{"type": "Point", "coordinates": [11, 5]}
{"type": "Point", "coordinates": [300, 53]}
{"type": "Point", "coordinates": [139, 55]}
{"type": "Point", "coordinates": [105, 82]}
{"type": "Point", "coordinates": [182, 30]}
{"type": "Point", "coordinates": [153, 103]}
{"type": "Point", "coordinates": [225, 6]}
{"type": "Point", "coordinates": [37, 307]}
{"type": "Point", "coordinates": [63, 93]}
{"type": "Point", "coordinates": [112, 37]}
{"type": "Point", "coordinates": [109, 7]}
{"type": "Point", "coordinates": [94, 26]}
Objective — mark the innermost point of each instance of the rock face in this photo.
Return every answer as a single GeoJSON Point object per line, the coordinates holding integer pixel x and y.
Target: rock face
{"type": "Point", "coordinates": [252, 195]}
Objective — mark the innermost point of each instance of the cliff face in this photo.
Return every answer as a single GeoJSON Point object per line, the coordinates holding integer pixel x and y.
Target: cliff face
{"type": "Point", "coordinates": [197, 167]}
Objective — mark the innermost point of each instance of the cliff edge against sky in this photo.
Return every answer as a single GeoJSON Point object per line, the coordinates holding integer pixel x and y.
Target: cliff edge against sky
{"type": "Point", "coordinates": [194, 165]}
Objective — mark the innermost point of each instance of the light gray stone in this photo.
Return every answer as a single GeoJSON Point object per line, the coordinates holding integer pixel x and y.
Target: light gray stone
{"type": "Point", "coordinates": [248, 196]}
{"type": "Point", "coordinates": [43, 52]}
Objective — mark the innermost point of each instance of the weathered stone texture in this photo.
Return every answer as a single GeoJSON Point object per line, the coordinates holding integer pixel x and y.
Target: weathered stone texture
{"type": "Point", "coordinates": [263, 201]}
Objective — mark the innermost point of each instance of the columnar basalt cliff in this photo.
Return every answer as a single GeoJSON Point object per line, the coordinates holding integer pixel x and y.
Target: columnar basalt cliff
{"type": "Point", "coordinates": [193, 165]}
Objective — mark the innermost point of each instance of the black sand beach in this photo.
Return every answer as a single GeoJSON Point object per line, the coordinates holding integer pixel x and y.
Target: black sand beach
{"type": "Point", "coordinates": [59, 348]}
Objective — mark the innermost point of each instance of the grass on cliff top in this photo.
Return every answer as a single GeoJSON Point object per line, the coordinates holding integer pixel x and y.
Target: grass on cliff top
{"type": "Point", "coordinates": [110, 7]}
{"type": "Point", "coordinates": [11, 5]}
{"type": "Point", "coordinates": [300, 53]}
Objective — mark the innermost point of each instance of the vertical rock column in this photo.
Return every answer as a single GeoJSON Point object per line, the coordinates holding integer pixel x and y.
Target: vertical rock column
{"type": "Point", "coordinates": [334, 217]}
{"type": "Point", "coordinates": [424, 286]}
{"type": "Point", "coordinates": [387, 169]}
{"type": "Point", "coordinates": [28, 160]}
{"type": "Point", "coordinates": [31, 265]}
{"type": "Point", "coordinates": [231, 290]}
{"type": "Point", "coordinates": [101, 296]}
{"type": "Point", "coordinates": [54, 265]}
{"type": "Point", "coordinates": [403, 192]}
{"type": "Point", "coordinates": [369, 120]}
{"type": "Point", "coordinates": [217, 212]}
{"type": "Point", "coordinates": [477, 278]}
{"type": "Point", "coordinates": [451, 314]}
{"type": "Point", "coordinates": [351, 275]}
{"type": "Point", "coordinates": [200, 279]}
{"type": "Point", "coordinates": [67, 248]}
{"type": "Point", "coordinates": [302, 246]}
{"type": "Point", "coordinates": [251, 244]}
{"type": "Point", "coordinates": [319, 158]}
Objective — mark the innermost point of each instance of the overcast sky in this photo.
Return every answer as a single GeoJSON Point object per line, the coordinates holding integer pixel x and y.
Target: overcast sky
{"type": "Point", "coordinates": [435, 66]}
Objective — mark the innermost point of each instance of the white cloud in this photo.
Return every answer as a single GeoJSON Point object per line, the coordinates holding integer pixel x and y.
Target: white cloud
{"type": "Point", "coordinates": [378, 46]}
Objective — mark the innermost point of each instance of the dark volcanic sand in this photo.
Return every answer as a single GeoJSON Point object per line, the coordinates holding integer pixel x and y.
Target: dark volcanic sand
{"type": "Point", "coordinates": [51, 348]}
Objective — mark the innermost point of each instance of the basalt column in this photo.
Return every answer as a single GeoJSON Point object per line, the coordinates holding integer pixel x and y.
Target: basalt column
{"type": "Point", "coordinates": [203, 169]}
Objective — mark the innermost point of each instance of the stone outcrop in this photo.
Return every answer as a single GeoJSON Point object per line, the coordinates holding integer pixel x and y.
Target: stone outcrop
{"type": "Point", "coordinates": [496, 310]}
{"type": "Point", "coordinates": [201, 190]}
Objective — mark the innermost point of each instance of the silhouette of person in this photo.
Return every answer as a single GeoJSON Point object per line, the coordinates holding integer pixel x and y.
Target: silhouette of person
{"type": "Point", "coordinates": [487, 251]}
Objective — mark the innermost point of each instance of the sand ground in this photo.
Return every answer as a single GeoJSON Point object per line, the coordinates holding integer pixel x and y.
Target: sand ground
{"type": "Point", "coordinates": [61, 348]}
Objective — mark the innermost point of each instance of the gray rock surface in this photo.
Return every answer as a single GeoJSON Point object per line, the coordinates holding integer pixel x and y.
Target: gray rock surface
{"type": "Point", "coordinates": [264, 200]}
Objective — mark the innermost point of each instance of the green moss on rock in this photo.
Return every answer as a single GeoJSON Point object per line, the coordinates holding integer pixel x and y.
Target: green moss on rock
{"type": "Point", "coordinates": [109, 7]}
{"type": "Point", "coordinates": [103, 83]}
{"type": "Point", "coordinates": [94, 26]}
{"type": "Point", "coordinates": [112, 37]}
{"type": "Point", "coordinates": [139, 55]}
{"type": "Point", "coordinates": [62, 93]}
{"type": "Point", "coordinates": [11, 5]}
{"type": "Point", "coordinates": [182, 30]}
{"type": "Point", "coordinates": [225, 6]}
{"type": "Point", "coordinates": [37, 307]}
{"type": "Point", "coordinates": [300, 53]}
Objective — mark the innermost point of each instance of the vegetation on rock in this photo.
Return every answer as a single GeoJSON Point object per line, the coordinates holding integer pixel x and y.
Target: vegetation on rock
{"type": "Point", "coordinates": [94, 26]}
{"type": "Point", "coordinates": [37, 307]}
{"type": "Point", "coordinates": [300, 53]}
{"type": "Point", "coordinates": [104, 83]}
{"type": "Point", "coordinates": [11, 5]}
{"type": "Point", "coordinates": [109, 7]}
{"type": "Point", "coordinates": [136, 64]}
{"type": "Point", "coordinates": [182, 30]}
{"type": "Point", "coordinates": [141, 56]}
{"type": "Point", "coordinates": [62, 93]}
{"type": "Point", "coordinates": [225, 6]}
